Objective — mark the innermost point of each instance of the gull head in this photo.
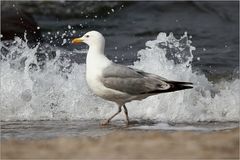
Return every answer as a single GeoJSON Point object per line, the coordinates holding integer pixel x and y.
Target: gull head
{"type": "Point", "coordinates": [92, 38]}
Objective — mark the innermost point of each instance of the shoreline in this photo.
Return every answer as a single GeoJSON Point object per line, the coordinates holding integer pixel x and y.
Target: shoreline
{"type": "Point", "coordinates": [129, 145]}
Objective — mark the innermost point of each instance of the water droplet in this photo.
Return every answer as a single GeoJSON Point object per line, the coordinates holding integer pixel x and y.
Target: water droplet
{"type": "Point", "coordinates": [38, 27]}
{"type": "Point", "coordinates": [64, 34]}
{"type": "Point", "coordinates": [64, 41]}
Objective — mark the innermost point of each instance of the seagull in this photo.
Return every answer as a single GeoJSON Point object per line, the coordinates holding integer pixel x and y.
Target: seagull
{"type": "Point", "coordinates": [118, 83]}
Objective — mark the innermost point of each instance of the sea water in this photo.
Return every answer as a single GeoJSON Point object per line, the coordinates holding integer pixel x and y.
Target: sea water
{"type": "Point", "coordinates": [40, 84]}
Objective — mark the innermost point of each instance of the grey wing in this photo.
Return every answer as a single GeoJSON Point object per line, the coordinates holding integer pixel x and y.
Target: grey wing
{"type": "Point", "coordinates": [116, 70]}
{"type": "Point", "coordinates": [120, 71]}
{"type": "Point", "coordinates": [132, 81]}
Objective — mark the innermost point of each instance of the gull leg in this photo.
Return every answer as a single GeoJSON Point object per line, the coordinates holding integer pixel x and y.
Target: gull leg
{"type": "Point", "coordinates": [105, 122]}
{"type": "Point", "coordinates": [126, 114]}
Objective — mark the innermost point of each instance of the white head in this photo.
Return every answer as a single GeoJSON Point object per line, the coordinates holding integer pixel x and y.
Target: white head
{"type": "Point", "coordinates": [93, 39]}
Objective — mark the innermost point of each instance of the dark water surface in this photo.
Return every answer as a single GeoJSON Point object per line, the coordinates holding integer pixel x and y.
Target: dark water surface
{"type": "Point", "coordinates": [214, 27]}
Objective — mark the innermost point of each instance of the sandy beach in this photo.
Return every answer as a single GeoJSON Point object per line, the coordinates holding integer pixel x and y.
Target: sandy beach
{"type": "Point", "coordinates": [129, 145]}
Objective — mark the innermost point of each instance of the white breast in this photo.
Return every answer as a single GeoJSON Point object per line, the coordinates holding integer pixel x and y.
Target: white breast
{"type": "Point", "coordinates": [96, 63]}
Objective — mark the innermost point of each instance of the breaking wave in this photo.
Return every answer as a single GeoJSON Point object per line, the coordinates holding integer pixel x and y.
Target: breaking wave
{"type": "Point", "coordinates": [42, 83]}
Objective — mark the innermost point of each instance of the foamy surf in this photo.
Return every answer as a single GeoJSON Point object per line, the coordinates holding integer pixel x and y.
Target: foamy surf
{"type": "Point", "coordinates": [55, 89]}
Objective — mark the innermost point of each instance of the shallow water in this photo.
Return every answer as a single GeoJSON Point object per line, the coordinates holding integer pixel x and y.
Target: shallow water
{"type": "Point", "coordinates": [78, 128]}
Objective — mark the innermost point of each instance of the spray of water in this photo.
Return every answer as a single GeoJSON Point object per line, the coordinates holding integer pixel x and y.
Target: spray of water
{"type": "Point", "coordinates": [38, 86]}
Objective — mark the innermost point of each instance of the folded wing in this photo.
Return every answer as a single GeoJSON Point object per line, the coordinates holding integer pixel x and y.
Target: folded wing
{"type": "Point", "coordinates": [137, 82]}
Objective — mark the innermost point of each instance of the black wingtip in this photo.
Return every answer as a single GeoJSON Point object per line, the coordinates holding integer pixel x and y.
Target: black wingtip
{"type": "Point", "coordinates": [175, 86]}
{"type": "Point", "coordinates": [185, 87]}
{"type": "Point", "coordinates": [180, 83]}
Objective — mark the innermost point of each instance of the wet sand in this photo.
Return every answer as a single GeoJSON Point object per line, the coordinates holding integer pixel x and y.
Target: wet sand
{"type": "Point", "coordinates": [129, 145]}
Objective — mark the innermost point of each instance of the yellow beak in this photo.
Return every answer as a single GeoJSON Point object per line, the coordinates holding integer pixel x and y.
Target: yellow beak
{"type": "Point", "coordinates": [77, 40]}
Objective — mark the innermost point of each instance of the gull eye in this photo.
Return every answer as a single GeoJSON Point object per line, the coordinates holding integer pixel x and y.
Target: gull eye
{"type": "Point", "coordinates": [87, 36]}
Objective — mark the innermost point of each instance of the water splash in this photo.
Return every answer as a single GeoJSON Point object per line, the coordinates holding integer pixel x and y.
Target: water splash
{"type": "Point", "coordinates": [171, 58]}
{"type": "Point", "coordinates": [42, 83]}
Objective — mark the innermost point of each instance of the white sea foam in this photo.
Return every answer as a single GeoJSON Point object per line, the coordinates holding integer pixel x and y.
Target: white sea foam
{"type": "Point", "coordinates": [56, 89]}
